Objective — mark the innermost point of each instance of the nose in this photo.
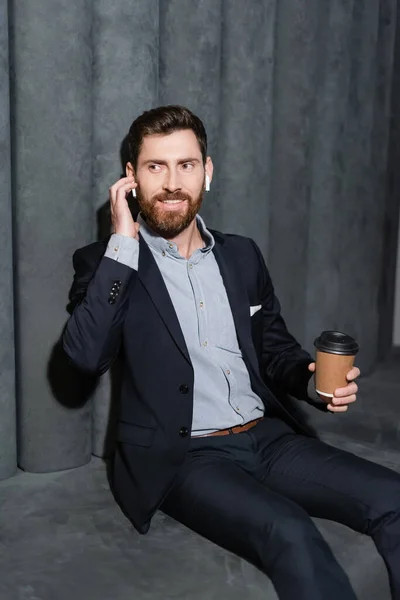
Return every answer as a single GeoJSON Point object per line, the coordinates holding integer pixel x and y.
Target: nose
{"type": "Point", "coordinates": [171, 181]}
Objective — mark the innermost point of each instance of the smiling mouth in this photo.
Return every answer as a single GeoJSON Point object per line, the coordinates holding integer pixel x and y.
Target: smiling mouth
{"type": "Point", "coordinates": [172, 203]}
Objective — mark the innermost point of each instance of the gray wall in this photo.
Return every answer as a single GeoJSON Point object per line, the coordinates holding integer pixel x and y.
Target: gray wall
{"type": "Point", "coordinates": [296, 96]}
{"type": "Point", "coordinates": [390, 200]}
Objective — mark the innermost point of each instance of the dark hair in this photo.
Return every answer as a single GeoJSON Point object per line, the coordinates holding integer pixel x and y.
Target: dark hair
{"type": "Point", "coordinates": [164, 120]}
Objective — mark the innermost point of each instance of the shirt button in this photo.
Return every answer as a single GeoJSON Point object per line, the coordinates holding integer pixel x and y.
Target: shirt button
{"type": "Point", "coordinates": [238, 409]}
{"type": "Point", "coordinates": [184, 389]}
{"type": "Point", "coordinates": [205, 343]}
{"type": "Point", "coordinates": [228, 372]}
{"type": "Point", "coordinates": [190, 266]}
{"type": "Point", "coordinates": [171, 246]}
{"type": "Point", "coordinates": [201, 304]}
{"type": "Point", "coordinates": [116, 249]}
{"type": "Point", "coordinates": [163, 253]}
{"type": "Point", "coordinates": [183, 432]}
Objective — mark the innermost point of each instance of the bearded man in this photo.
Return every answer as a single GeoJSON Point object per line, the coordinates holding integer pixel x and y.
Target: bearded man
{"type": "Point", "coordinates": [203, 432]}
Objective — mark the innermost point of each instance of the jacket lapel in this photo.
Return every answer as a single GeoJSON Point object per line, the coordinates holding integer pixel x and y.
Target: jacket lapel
{"type": "Point", "coordinates": [240, 307]}
{"type": "Point", "coordinates": [150, 276]}
{"type": "Point", "coordinates": [239, 303]}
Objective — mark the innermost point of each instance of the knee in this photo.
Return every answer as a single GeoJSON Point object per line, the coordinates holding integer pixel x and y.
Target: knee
{"type": "Point", "coordinates": [296, 531]}
{"type": "Point", "coordinates": [291, 530]}
{"type": "Point", "coordinates": [292, 538]}
{"type": "Point", "coordinates": [385, 508]}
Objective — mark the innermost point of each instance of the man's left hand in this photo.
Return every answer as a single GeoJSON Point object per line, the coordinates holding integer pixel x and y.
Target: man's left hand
{"type": "Point", "coordinates": [342, 396]}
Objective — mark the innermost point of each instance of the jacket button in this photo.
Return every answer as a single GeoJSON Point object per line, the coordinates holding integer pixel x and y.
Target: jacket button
{"type": "Point", "coordinates": [111, 301]}
{"type": "Point", "coordinates": [183, 431]}
{"type": "Point", "coordinates": [184, 389]}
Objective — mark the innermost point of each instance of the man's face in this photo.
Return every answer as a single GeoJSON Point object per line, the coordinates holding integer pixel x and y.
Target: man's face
{"type": "Point", "coordinates": [170, 176]}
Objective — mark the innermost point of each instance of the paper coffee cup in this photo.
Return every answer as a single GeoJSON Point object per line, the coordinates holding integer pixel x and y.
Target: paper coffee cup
{"type": "Point", "coordinates": [334, 359]}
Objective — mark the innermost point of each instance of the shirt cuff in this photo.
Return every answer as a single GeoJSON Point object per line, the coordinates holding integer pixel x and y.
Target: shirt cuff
{"type": "Point", "coordinates": [123, 249]}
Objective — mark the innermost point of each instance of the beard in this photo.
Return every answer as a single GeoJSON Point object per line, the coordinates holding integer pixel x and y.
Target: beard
{"type": "Point", "coordinates": [169, 223]}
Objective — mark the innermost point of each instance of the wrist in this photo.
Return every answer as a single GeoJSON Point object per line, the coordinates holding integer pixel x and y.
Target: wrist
{"type": "Point", "coordinates": [128, 234]}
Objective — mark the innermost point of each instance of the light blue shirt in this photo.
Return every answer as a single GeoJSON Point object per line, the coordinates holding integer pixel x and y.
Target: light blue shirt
{"type": "Point", "coordinates": [222, 395]}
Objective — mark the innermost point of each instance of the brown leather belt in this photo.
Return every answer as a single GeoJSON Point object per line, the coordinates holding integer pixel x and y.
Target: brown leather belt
{"type": "Point", "coordinates": [236, 429]}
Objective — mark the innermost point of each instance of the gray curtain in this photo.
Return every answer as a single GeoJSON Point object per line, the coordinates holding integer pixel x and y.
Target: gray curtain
{"type": "Point", "coordinates": [301, 102]}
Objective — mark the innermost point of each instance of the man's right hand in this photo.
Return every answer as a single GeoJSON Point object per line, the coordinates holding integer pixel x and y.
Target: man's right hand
{"type": "Point", "coordinates": [121, 216]}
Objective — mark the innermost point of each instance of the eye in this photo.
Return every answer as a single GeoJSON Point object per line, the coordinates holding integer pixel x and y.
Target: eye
{"type": "Point", "coordinates": [155, 168]}
{"type": "Point", "coordinates": [188, 166]}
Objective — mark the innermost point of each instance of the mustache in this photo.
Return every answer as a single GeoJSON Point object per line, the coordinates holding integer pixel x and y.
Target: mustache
{"type": "Point", "coordinates": [174, 196]}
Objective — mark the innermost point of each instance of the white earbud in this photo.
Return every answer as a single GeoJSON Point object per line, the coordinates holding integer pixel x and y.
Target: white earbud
{"type": "Point", "coordinates": [208, 183]}
{"type": "Point", "coordinates": [134, 192]}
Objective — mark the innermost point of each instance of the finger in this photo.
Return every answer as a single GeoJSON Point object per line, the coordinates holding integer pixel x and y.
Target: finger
{"type": "Point", "coordinates": [343, 401]}
{"type": "Point", "coordinates": [350, 389]}
{"type": "Point", "coordinates": [121, 182]}
{"type": "Point", "coordinates": [311, 367]}
{"type": "Point", "coordinates": [337, 409]}
{"type": "Point", "coordinates": [353, 374]}
{"type": "Point", "coordinates": [122, 191]}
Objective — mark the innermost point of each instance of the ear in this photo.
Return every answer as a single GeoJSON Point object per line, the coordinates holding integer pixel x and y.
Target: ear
{"type": "Point", "coordinates": [129, 170]}
{"type": "Point", "coordinates": [209, 168]}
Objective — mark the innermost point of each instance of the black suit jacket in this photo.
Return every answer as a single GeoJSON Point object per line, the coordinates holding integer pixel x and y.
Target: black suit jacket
{"type": "Point", "coordinates": [117, 310]}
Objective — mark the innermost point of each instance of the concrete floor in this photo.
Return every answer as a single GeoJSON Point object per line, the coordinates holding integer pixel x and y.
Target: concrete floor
{"type": "Point", "coordinates": [63, 537]}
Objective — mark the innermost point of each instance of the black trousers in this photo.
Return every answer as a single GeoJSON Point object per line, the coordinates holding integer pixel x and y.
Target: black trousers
{"type": "Point", "coordinates": [253, 493]}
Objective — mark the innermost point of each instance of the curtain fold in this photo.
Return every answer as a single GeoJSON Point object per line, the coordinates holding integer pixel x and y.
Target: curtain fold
{"type": "Point", "coordinates": [245, 131]}
{"type": "Point", "coordinates": [8, 448]}
{"type": "Point", "coordinates": [387, 151]}
{"type": "Point", "coordinates": [300, 99]}
{"type": "Point", "coordinates": [300, 50]}
{"type": "Point", "coordinates": [52, 170]}
{"type": "Point", "coordinates": [329, 160]}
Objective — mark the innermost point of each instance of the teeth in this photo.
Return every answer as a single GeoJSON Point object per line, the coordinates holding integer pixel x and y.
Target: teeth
{"type": "Point", "coordinates": [171, 201]}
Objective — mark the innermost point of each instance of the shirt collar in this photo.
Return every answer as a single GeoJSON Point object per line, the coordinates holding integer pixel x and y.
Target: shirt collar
{"type": "Point", "coordinates": [163, 246]}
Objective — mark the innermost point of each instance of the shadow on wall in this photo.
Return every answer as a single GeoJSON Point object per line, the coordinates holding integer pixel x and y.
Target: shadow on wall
{"type": "Point", "coordinates": [70, 387]}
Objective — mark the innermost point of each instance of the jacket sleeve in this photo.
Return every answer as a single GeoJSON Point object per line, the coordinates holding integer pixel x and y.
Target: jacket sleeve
{"type": "Point", "coordinates": [284, 362]}
{"type": "Point", "coordinates": [98, 302]}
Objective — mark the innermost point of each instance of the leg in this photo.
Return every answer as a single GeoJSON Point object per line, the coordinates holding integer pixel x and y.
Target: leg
{"type": "Point", "coordinates": [337, 485]}
{"type": "Point", "coordinates": [218, 499]}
